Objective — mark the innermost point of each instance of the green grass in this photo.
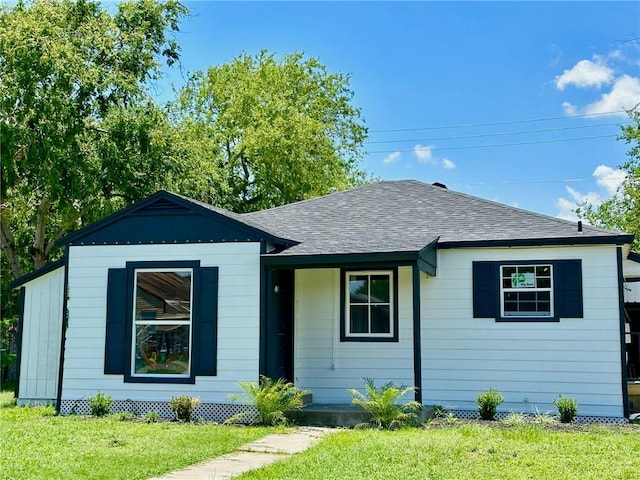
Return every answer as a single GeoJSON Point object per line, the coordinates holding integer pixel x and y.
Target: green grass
{"type": "Point", "coordinates": [466, 452]}
{"type": "Point", "coordinates": [37, 445]}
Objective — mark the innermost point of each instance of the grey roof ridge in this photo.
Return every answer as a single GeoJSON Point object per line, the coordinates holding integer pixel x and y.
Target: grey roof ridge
{"type": "Point", "coordinates": [593, 229]}
{"type": "Point", "coordinates": [339, 192]}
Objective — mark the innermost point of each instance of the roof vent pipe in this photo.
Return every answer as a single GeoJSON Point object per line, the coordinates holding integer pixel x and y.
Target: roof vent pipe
{"type": "Point", "coordinates": [580, 226]}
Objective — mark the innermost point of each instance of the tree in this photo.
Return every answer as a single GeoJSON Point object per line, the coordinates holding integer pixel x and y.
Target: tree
{"type": "Point", "coordinates": [265, 132]}
{"type": "Point", "coordinates": [79, 136]}
{"type": "Point", "coordinates": [622, 211]}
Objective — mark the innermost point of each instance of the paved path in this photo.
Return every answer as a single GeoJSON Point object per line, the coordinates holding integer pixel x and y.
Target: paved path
{"type": "Point", "coordinates": [259, 453]}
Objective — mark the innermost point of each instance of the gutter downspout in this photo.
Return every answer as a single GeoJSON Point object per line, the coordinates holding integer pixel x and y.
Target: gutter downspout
{"type": "Point", "coordinates": [65, 320]}
{"type": "Point", "coordinates": [623, 345]}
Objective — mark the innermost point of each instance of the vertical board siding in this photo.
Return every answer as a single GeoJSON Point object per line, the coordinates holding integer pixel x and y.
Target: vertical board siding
{"type": "Point", "coordinates": [329, 368]}
{"type": "Point", "coordinates": [238, 319]}
{"type": "Point", "coordinates": [531, 363]}
{"type": "Point", "coordinates": [42, 330]}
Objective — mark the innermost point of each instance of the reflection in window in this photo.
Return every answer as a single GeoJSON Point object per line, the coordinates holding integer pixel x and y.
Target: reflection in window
{"type": "Point", "coordinates": [162, 322]}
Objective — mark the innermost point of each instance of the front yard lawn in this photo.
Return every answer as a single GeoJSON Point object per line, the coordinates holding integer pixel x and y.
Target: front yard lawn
{"type": "Point", "coordinates": [36, 445]}
{"type": "Point", "coordinates": [474, 452]}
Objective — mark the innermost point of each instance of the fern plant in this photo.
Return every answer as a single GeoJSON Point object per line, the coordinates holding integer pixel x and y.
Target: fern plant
{"type": "Point", "coordinates": [272, 399]}
{"type": "Point", "coordinates": [383, 404]}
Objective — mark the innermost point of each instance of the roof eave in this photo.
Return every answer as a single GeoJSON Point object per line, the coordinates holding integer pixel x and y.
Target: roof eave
{"type": "Point", "coordinates": [339, 259]}
{"type": "Point", "coordinates": [622, 239]}
{"type": "Point", "coordinates": [18, 282]}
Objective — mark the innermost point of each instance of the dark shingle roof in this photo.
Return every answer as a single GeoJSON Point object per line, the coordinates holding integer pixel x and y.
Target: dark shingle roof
{"type": "Point", "coordinates": [407, 215]}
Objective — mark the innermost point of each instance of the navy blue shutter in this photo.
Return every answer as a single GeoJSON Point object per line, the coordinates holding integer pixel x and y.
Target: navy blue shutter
{"type": "Point", "coordinates": [485, 290]}
{"type": "Point", "coordinates": [205, 328]}
{"type": "Point", "coordinates": [116, 347]}
{"type": "Point", "coordinates": [567, 290]}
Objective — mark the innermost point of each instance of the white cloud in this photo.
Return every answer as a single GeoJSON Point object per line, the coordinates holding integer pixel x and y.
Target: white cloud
{"type": "Point", "coordinates": [609, 178]}
{"type": "Point", "coordinates": [391, 158]}
{"type": "Point", "coordinates": [447, 164]}
{"type": "Point", "coordinates": [424, 153]}
{"type": "Point", "coordinates": [624, 95]}
{"type": "Point", "coordinates": [566, 206]}
{"type": "Point", "coordinates": [586, 73]}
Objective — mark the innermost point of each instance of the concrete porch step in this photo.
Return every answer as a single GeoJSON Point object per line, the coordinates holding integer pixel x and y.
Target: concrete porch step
{"type": "Point", "coordinates": [329, 415]}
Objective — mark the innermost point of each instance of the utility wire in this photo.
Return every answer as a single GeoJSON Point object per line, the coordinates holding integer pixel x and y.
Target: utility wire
{"type": "Point", "coordinates": [508, 122]}
{"type": "Point", "coordinates": [482, 135]}
{"type": "Point", "coordinates": [524, 182]}
{"type": "Point", "coordinates": [466, 147]}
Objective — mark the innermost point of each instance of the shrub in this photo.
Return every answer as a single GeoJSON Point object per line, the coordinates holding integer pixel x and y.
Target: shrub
{"type": "Point", "coordinates": [100, 405]}
{"type": "Point", "coordinates": [272, 398]}
{"type": "Point", "coordinates": [382, 404]}
{"type": "Point", "coordinates": [183, 407]}
{"type": "Point", "coordinates": [488, 403]}
{"type": "Point", "coordinates": [567, 408]}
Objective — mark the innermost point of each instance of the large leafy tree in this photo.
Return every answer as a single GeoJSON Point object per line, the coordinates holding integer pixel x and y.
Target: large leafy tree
{"type": "Point", "coordinates": [78, 135]}
{"type": "Point", "coordinates": [622, 211]}
{"type": "Point", "coordinates": [265, 131]}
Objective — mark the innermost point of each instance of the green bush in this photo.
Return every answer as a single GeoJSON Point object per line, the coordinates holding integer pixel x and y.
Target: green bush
{"type": "Point", "coordinates": [567, 408]}
{"type": "Point", "coordinates": [183, 407]}
{"type": "Point", "coordinates": [488, 403]}
{"type": "Point", "coordinates": [383, 404]}
{"type": "Point", "coordinates": [272, 398]}
{"type": "Point", "coordinates": [100, 405]}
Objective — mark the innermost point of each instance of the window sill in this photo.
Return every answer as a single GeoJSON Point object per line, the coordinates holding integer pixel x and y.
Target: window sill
{"type": "Point", "coordinates": [528, 319]}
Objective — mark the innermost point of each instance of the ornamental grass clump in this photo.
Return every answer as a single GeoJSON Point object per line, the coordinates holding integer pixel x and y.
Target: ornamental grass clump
{"type": "Point", "coordinates": [384, 407]}
{"type": "Point", "coordinates": [183, 407]}
{"type": "Point", "coordinates": [567, 408]}
{"type": "Point", "coordinates": [271, 398]}
{"type": "Point", "coordinates": [488, 403]}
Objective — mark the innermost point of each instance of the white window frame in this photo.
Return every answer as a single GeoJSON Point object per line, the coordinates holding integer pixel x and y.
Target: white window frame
{"type": "Point", "coordinates": [347, 305]}
{"type": "Point", "coordinates": [504, 290]}
{"type": "Point", "coordinates": [137, 322]}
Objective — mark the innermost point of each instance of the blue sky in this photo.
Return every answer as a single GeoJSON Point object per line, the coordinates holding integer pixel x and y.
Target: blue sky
{"type": "Point", "coordinates": [480, 96]}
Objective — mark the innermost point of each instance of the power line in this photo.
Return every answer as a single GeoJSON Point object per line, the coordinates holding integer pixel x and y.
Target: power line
{"type": "Point", "coordinates": [524, 182]}
{"type": "Point", "coordinates": [466, 147]}
{"type": "Point", "coordinates": [508, 122]}
{"type": "Point", "coordinates": [499, 133]}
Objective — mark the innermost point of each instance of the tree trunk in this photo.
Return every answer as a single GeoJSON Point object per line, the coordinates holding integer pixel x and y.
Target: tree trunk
{"type": "Point", "coordinates": [39, 250]}
{"type": "Point", "coordinates": [7, 244]}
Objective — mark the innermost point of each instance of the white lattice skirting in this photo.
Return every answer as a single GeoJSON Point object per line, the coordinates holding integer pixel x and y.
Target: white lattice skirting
{"type": "Point", "coordinates": [210, 412]}
{"type": "Point", "coordinates": [473, 414]}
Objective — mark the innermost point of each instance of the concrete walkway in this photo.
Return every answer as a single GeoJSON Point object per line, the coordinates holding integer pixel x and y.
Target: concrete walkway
{"type": "Point", "coordinates": [259, 453]}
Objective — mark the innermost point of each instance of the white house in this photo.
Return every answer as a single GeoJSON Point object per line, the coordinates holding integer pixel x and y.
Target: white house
{"type": "Point", "coordinates": [397, 281]}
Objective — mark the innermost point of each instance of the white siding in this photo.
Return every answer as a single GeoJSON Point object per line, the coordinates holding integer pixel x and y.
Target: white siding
{"type": "Point", "coordinates": [632, 292]}
{"type": "Point", "coordinates": [531, 363]}
{"type": "Point", "coordinates": [41, 334]}
{"type": "Point", "coordinates": [238, 319]}
{"type": "Point", "coordinates": [328, 367]}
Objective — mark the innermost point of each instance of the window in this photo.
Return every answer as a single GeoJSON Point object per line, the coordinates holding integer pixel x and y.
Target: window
{"type": "Point", "coordinates": [526, 290]}
{"type": "Point", "coordinates": [369, 305]}
{"type": "Point", "coordinates": [162, 322]}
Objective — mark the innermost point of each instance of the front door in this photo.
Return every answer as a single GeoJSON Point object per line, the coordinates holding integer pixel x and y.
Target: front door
{"type": "Point", "coordinates": [279, 347]}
